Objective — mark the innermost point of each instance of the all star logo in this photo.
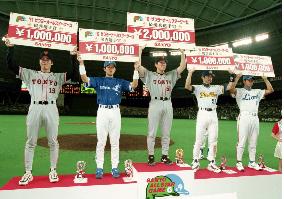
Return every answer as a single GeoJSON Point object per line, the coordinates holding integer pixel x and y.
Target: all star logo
{"type": "Point", "coordinates": [162, 186]}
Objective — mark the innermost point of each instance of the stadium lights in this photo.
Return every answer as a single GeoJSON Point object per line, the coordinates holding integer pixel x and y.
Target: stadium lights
{"type": "Point", "coordinates": [241, 42]}
{"type": "Point", "coordinates": [261, 37]}
{"type": "Point", "coordinates": [222, 45]}
{"type": "Point", "coordinates": [158, 54]}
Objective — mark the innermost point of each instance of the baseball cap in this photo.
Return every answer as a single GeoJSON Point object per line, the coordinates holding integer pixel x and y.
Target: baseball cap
{"type": "Point", "coordinates": [107, 63]}
{"type": "Point", "coordinates": [45, 54]}
{"type": "Point", "coordinates": [248, 77]}
{"type": "Point", "coordinates": [207, 73]}
{"type": "Point", "coordinates": [158, 59]}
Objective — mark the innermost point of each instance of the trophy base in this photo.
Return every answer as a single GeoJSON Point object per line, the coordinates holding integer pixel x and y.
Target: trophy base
{"type": "Point", "coordinates": [128, 179]}
{"type": "Point", "coordinates": [80, 180]}
{"type": "Point", "coordinates": [183, 165]}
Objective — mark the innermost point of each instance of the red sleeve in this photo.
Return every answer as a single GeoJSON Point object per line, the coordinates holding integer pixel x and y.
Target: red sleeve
{"type": "Point", "coordinates": [275, 129]}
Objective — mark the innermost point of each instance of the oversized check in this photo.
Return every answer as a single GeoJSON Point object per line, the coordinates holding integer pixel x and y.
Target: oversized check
{"type": "Point", "coordinates": [162, 31]}
{"type": "Point", "coordinates": [210, 58]}
{"type": "Point", "coordinates": [254, 65]}
{"type": "Point", "coordinates": [108, 45]}
{"type": "Point", "coordinates": [42, 32]}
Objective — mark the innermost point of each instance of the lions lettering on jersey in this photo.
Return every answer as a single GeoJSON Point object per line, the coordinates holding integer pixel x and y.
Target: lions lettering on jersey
{"type": "Point", "coordinates": [109, 89]}
{"type": "Point", "coordinates": [248, 100]}
{"type": "Point", "coordinates": [249, 97]}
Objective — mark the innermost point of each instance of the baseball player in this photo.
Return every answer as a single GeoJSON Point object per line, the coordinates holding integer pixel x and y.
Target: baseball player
{"type": "Point", "coordinates": [207, 96]}
{"type": "Point", "coordinates": [44, 87]}
{"type": "Point", "coordinates": [248, 123]}
{"type": "Point", "coordinates": [160, 85]}
{"type": "Point", "coordinates": [277, 134]}
{"type": "Point", "coordinates": [109, 90]}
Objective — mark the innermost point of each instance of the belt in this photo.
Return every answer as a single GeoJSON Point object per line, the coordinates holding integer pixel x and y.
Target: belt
{"type": "Point", "coordinates": [207, 109]}
{"type": "Point", "coordinates": [248, 113]}
{"type": "Point", "coordinates": [162, 98]}
{"type": "Point", "coordinates": [108, 106]}
{"type": "Point", "coordinates": [44, 102]}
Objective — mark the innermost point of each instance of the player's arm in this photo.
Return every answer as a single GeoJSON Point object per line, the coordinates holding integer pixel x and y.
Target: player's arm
{"type": "Point", "coordinates": [188, 85]}
{"type": "Point", "coordinates": [82, 69]}
{"type": "Point", "coordinates": [269, 89]}
{"type": "Point", "coordinates": [232, 84]}
{"type": "Point", "coordinates": [182, 64]}
{"type": "Point", "coordinates": [140, 68]}
{"type": "Point", "coordinates": [74, 74]}
{"type": "Point", "coordinates": [134, 83]}
{"type": "Point", "coordinates": [12, 65]}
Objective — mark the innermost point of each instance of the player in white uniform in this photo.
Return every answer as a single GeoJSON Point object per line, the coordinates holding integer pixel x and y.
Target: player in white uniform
{"type": "Point", "coordinates": [277, 134]}
{"type": "Point", "coordinates": [248, 123]}
{"type": "Point", "coordinates": [160, 85]}
{"type": "Point", "coordinates": [207, 96]}
{"type": "Point", "coordinates": [109, 90]}
{"type": "Point", "coordinates": [44, 87]}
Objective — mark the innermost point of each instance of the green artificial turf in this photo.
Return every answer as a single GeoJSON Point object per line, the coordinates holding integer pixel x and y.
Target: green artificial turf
{"type": "Point", "coordinates": [13, 135]}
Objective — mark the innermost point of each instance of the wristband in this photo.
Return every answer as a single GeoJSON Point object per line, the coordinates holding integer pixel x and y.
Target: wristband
{"type": "Point", "coordinates": [82, 70]}
{"type": "Point", "coordinates": [135, 75]}
{"type": "Point", "coordinates": [232, 77]}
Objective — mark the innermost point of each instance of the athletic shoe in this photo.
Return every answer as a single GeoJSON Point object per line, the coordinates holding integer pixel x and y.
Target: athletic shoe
{"type": "Point", "coordinates": [239, 166]}
{"type": "Point", "coordinates": [53, 177]}
{"type": "Point", "coordinates": [213, 167]}
{"type": "Point", "coordinates": [27, 177]}
{"type": "Point", "coordinates": [165, 159]}
{"type": "Point", "coordinates": [115, 173]}
{"type": "Point", "coordinates": [99, 173]}
{"type": "Point", "coordinates": [195, 165]}
{"type": "Point", "coordinates": [151, 160]}
{"type": "Point", "coordinates": [254, 166]}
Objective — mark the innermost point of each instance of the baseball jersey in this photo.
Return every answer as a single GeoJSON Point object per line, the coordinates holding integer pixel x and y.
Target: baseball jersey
{"type": "Point", "coordinates": [277, 128]}
{"type": "Point", "coordinates": [42, 86]}
{"type": "Point", "coordinates": [160, 85]}
{"type": "Point", "coordinates": [109, 89]}
{"type": "Point", "coordinates": [248, 100]}
{"type": "Point", "coordinates": [207, 96]}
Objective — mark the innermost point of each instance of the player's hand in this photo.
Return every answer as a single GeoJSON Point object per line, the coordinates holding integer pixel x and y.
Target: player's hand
{"type": "Point", "coordinates": [80, 59]}
{"type": "Point", "coordinates": [136, 65]}
{"type": "Point", "coordinates": [231, 71]}
{"type": "Point", "coordinates": [74, 51]}
{"type": "Point", "coordinates": [181, 50]}
{"type": "Point", "coordinates": [239, 75]}
{"type": "Point", "coordinates": [264, 77]}
{"type": "Point", "coordinates": [7, 41]}
{"type": "Point", "coordinates": [191, 70]}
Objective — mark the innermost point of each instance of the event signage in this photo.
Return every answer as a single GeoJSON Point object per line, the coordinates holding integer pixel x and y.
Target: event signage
{"type": "Point", "coordinates": [108, 45]}
{"type": "Point", "coordinates": [42, 32]}
{"type": "Point", "coordinates": [162, 31]}
{"type": "Point", "coordinates": [210, 58]}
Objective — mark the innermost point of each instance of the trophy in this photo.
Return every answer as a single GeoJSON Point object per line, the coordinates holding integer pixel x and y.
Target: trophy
{"type": "Point", "coordinates": [128, 170]}
{"type": "Point", "coordinates": [80, 176]}
{"type": "Point", "coordinates": [261, 161]}
{"type": "Point", "coordinates": [223, 163]}
{"type": "Point", "coordinates": [179, 156]}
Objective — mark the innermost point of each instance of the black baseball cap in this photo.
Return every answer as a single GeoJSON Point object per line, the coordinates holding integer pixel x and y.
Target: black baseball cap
{"type": "Point", "coordinates": [207, 73]}
{"type": "Point", "coordinates": [158, 59]}
{"type": "Point", "coordinates": [45, 54]}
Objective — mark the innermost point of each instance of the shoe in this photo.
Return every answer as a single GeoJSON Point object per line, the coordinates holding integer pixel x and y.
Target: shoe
{"type": "Point", "coordinates": [165, 159]}
{"type": "Point", "coordinates": [239, 166]}
{"type": "Point", "coordinates": [213, 167]}
{"type": "Point", "coordinates": [27, 177]}
{"type": "Point", "coordinates": [53, 177]}
{"type": "Point", "coordinates": [254, 166]}
{"type": "Point", "coordinates": [151, 160]}
{"type": "Point", "coordinates": [115, 173]}
{"type": "Point", "coordinates": [99, 173]}
{"type": "Point", "coordinates": [195, 165]}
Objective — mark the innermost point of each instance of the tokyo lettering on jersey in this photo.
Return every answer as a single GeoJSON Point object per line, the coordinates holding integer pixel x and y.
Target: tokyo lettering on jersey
{"type": "Point", "coordinates": [248, 100]}
{"type": "Point", "coordinates": [160, 85]}
{"type": "Point", "coordinates": [207, 96]}
{"type": "Point", "coordinates": [42, 86]}
{"type": "Point", "coordinates": [109, 89]}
